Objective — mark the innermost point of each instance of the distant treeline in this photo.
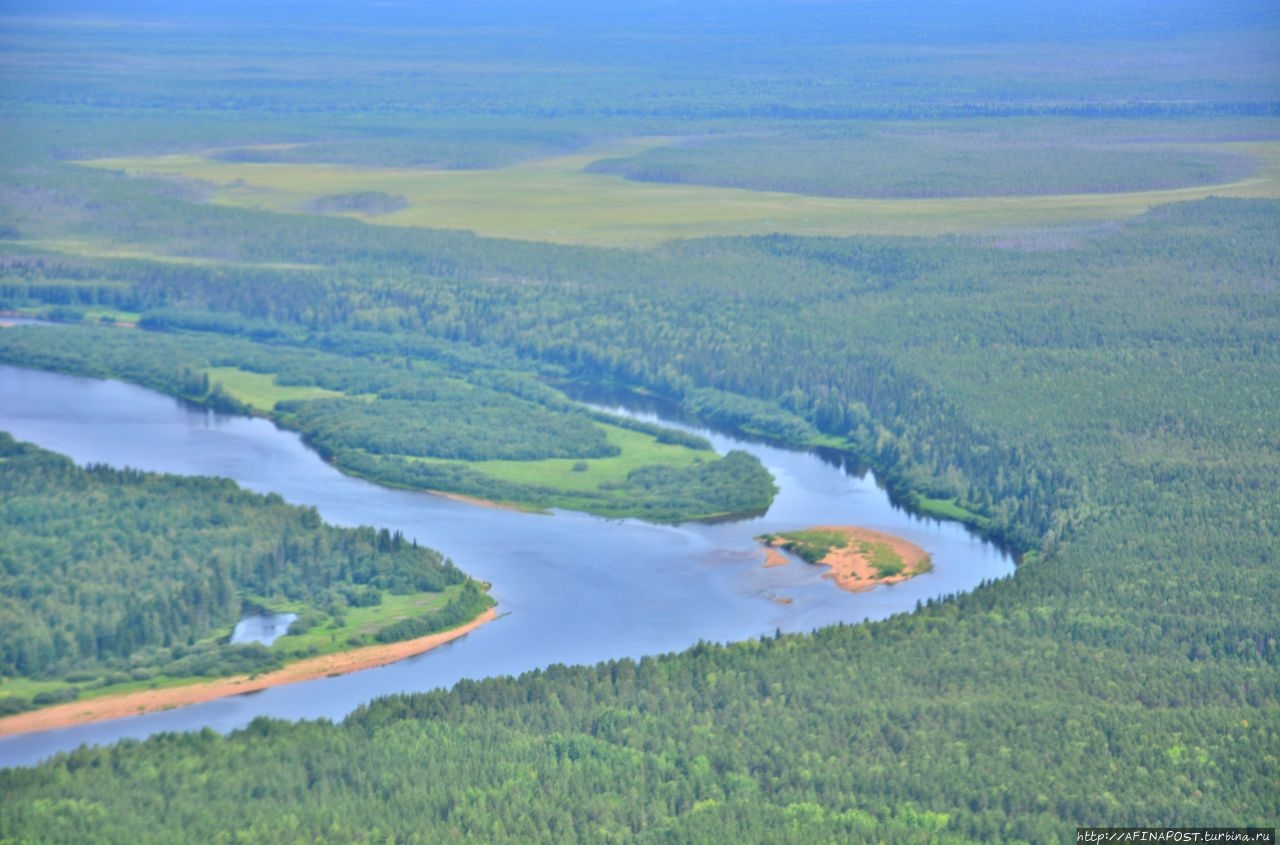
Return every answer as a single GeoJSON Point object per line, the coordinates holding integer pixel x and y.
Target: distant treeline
{"type": "Point", "coordinates": [369, 203]}
{"type": "Point", "coordinates": [923, 160]}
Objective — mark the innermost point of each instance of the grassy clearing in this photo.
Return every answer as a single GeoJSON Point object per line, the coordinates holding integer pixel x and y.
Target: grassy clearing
{"type": "Point", "coordinates": [947, 509]}
{"type": "Point", "coordinates": [647, 478]}
{"type": "Point", "coordinates": [577, 484]}
{"type": "Point", "coordinates": [569, 475]}
{"type": "Point", "coordinates": [354, 627]}
{"type": "Point", "coordinates": [259, 390]}
{"type": "Point", "coordinates": [975, 158]}
{"type": "Point", "coordinates": [29, 689]}
{"type": "Point", "coordinates": [111, 315]}
{"type": "Point", "coordinates": [556, 200]}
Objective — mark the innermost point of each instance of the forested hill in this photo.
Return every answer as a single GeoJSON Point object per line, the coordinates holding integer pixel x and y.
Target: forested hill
{"type": "Point", "coordinates": [114, 578]}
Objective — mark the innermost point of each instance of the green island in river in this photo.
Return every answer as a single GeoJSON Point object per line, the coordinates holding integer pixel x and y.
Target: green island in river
{"type": "Point", "coordinates": [418, 416]}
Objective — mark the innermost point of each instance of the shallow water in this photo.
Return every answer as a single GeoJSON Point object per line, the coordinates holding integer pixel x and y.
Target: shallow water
{"type": "Point", "coordinates": [571, 588]}
{"type": "Point", "coordinates": [262, 628]}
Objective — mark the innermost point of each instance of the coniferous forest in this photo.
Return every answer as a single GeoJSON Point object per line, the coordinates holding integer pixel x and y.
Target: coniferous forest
{"type": "Point", "coordinates": [118, 576]}
{"type": "Point", "coordinates": [1046, 301]}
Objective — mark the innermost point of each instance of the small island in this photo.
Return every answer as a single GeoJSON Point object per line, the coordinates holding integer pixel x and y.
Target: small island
{"type": "Point", "coordinates": [860, 558]}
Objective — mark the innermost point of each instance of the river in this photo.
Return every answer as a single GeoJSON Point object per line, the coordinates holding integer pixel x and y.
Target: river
{"type": "Point", "coordinates": [571, 588]}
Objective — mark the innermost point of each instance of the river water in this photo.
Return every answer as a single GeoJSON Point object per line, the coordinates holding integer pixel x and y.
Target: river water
{"type": "Point", "coordinates": [571, 588]}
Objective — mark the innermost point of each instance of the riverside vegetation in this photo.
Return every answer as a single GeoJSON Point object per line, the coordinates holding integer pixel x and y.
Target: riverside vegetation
{"type": "Point", "coordinates": [387, 412]}
{"type": "Point", "coordinates": [117, 580]}
{"type": "Point", "coordinates": [1099, 397]}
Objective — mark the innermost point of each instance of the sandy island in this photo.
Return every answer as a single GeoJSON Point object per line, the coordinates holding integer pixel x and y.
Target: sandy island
{"type": "Point", "coordinates": [851, 567]}
{"type": "Point", "coordinates": [147, 701]}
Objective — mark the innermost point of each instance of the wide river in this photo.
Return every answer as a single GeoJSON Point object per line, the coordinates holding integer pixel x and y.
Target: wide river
{"type": "Point", "coordinates": [571, 588]}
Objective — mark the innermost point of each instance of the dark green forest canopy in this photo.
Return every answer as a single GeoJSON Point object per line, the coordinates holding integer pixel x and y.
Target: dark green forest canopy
{"type": "Point", "coordinates": [1105, 396]}
{"type": "Point", "coordinates": [111, 576]}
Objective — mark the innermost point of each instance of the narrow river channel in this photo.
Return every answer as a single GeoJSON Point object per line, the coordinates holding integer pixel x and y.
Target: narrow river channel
{"type": "Point", "coordinates": [572, 588]}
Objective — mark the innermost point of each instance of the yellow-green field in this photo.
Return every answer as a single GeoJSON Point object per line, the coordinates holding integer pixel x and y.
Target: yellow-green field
{"type": "Point", "coordinates": [555, 200]}
{"type": "Point", "coordinates": [638, 450]}
{"type": "Point", "coordinates": [259, 390]}
{"type": "Point", "coordinates": [357, 622]}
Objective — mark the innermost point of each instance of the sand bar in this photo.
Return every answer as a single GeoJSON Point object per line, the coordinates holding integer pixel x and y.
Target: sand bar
{"type": "Point", "coordinates": [851, 567]}
{"type": "Point", "coordinates": [147, 701]}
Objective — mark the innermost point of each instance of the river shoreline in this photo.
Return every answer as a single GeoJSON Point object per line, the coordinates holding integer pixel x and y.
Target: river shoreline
{"type": "Point", "coordinates": [149, 701]}
{"type": "Point", "coordinates": [580, 590]}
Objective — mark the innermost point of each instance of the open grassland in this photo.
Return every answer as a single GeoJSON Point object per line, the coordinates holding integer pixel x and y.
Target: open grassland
{"type": "Point", "coordinates": [577, 476]}
{"type": "Point", "coordinates": [260, 390]}
{"type": "Point", "coordinates": [557, 200]}
{"type": "Point", "coordinates": [355, 626]}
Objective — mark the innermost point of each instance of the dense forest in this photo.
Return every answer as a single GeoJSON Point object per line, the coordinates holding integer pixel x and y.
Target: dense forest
{"type": "Point", "coordinates": [113, 577]}
{"type": "Point", "coordinates": [1099, 394]}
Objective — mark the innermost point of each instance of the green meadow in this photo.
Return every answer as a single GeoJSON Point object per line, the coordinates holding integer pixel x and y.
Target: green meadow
{"type": "Point", "coordinates": [260, 391]}
{"type": "Point", "coordinates": [354, 626]}
{"type": "Point", "coordinates": [571, 477]}
{"type": "Point", "coordinates": [558, 200]}
{"type": "Point", "coordinates": [331, 633]}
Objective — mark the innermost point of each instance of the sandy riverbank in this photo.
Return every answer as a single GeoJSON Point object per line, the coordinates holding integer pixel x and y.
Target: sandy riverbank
{"type": "Point", "coordinates": [773, 557]}
{"type": "Point", "coordinates": [851, 566]}
{"type": "Point", "coordinates": [480, 503]}
{"type": "Point", "coordinates": [147, 701]}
